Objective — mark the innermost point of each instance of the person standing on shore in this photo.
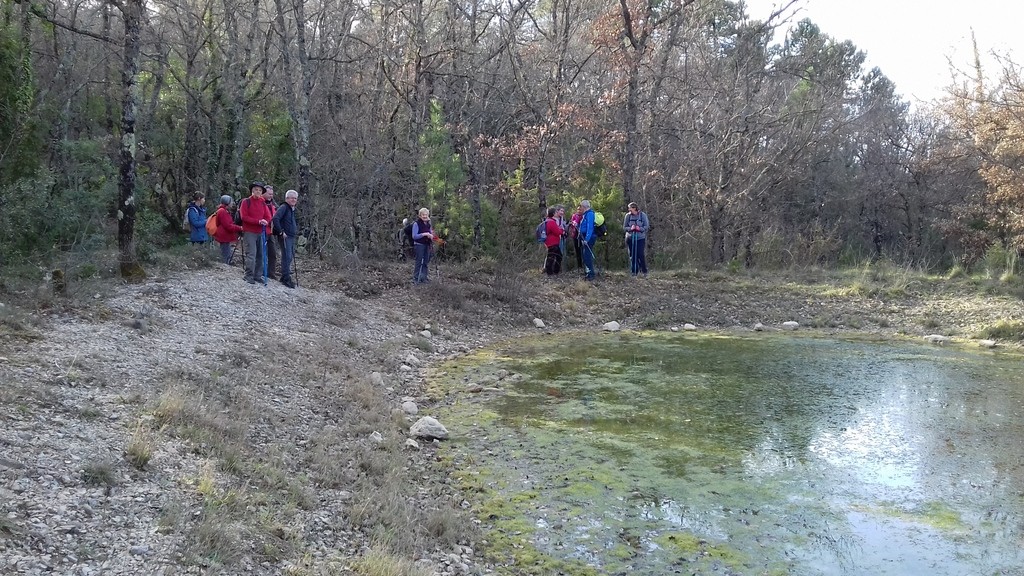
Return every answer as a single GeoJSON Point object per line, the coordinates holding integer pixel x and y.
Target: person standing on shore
{"type": "Point", "coordinates": [553, 241]}
{"type": "Point", "coordinates": [587, 239]}
{"type": "Point", "coordinates": [255, 219]}
{"type": "Point", "coordinates": [423, 245]}
{"type": "Point", "coordinates": [285, 223]}
{"type": "Point", "coordinates": [636, 224]}
{"type": "Point", "coordinates": [227, 231]}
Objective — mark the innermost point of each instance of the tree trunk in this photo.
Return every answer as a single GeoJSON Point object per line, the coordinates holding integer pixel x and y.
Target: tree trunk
{"type": "Point", "coordinates": [130, 267]}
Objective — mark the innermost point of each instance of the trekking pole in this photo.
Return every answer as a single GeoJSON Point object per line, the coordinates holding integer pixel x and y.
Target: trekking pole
{"type": "Point", "coordinates": [295, 266]}
{"type": "Point", "coordinates": [263, 240]}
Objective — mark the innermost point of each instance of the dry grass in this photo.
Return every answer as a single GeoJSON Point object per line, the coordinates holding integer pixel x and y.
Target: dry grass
{"type": "Point", "coordinates": [99, 473]}
{"type": "Point", "coordinates": [139, 450]}
{"type": "Point", "coordinates": [379, 562]}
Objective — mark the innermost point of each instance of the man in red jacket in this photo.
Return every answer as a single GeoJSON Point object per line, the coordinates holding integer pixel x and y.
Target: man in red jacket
{"type": "Point", "coordinates": [255, 219]}
{"type": "Point", "coordinates": [227, 231]}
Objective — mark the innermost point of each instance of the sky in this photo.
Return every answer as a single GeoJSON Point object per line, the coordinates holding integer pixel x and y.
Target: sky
{"type": "Point", "coordinates": [912, 41]}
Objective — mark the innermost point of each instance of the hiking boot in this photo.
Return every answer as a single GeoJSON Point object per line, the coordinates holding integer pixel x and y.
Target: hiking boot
{"type": "Point", "coordinates": [250, 280]}
{"type": "Point", "coordinates": [288, 282]}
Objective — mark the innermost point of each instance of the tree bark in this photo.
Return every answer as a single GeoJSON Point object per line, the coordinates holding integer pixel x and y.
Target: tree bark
{"type": "Point", "coordinates": [127, 206]}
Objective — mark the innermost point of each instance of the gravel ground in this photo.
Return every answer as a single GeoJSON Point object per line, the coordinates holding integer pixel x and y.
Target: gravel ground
{"type": "Point", "coordinates": [249, 410]}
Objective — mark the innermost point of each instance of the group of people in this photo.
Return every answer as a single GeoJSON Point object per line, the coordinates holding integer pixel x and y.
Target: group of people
{"type": "Point", "coordinates": [261, 226]}
{"type": "Point", "coordinates": [581, 229]}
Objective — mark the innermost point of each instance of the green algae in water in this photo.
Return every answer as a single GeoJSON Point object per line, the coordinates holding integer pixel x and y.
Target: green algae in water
{"type": "Point", "coordinates": [781, 454]}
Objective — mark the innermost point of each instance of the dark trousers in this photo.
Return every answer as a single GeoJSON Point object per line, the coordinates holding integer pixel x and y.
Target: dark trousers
{"type": "Point", "coordinates": [226, 251]}
{"type": "Point", "coordinates": [637, 256]}
{"type": "Point", "coordinates": [272, 249]}
{"type": "Point", "coordinates": [419, 273]}
{"type": "Point", "coordinates": [287, 258]}
{"type": "Point", "coordinates": [553, 262]}
{"type": "Point", "coordinates": [577, 246]}
{"type": "Point", "coordinates": [588, 259]}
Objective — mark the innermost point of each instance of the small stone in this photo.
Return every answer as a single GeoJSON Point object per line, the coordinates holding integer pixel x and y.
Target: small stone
{"type": "Point", "coordinates": [410, 443]}
{"type": "Point", "coordinates": [410, 408]}
{"type": "Point", "coordinates": [689, 327]}
{"type": "Point", "coordinates": [426, 334]}
{"type": "Point", "coordinates": [376, 378]}
{"type": "Point", "coordinates": [139, 550]}
{"type": "Point", "coordinates": [405, 368]}
{"type": "Point", "coordinates": [675, 328]}
{"type": "Point", "coordinates": [412, 360]}
{"type": "Point", "coordinates": [987, 343]}
{"type": "Point", "coordinates": [791, 325]}
{"type": "Point", "coordinates": [377, 437]}
{"type": "Point", "coordinates": [758, 327]}
{"type": "Point", "coordinates": [538, 322]}
{"type": "Point", "coordinates": [612, 326]}
{"type": "Point", "coordinates": [936, 338]}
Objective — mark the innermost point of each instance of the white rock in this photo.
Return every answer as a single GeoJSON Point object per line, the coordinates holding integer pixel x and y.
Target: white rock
{"type": "Point", "coordinates": [791, 325]}
{"type": "Point", "coordinates": [412, 360]}
{"type": "Point", "coordinates": [376, 378]}
{"type": "Point", "coordinates": [987, 343]}
{"type": "Point", "coordinates": [410, 407]}
{"type": "Point", "coordinates": [405, 368]}
{"type": "Point", "coordinates": [936, 338]}
{"type": "Point", "coordinates": [538, 322]}
{"type": "Point", "coordinates": [675, 328]}
{"type": "Point", "coordinates": [758, 327]}
{"type": "Point", "coordinates": [410, 443]}
{"type": "Point", "coordinates": [427, 427]}
{"type": "Point", "coordinates": [612, 326]}
{"type": "Point", "coordinates": [689, 327]}
{"type": "Point", "coordinates": [426, 333]}
{"type": "Point", "coordinates": [377, 437]}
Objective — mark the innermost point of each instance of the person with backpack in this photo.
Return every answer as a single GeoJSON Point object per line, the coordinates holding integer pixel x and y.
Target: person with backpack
{"type": "Point", "coordinates": [553, 241]}
{"type": "Point", "coordinates": [227, 231]}
{"type": "Point", "coordinates": [273, 236]}
{"type": "Point", "coordinates": [195, 216]}
{"type": "Point", "coordinates": [255, 219]}
{"type": "Point", "coordinates": [587, 239]}
{"type": "Point", "coordinates": [407, 244]}
{"type": "Point", "coordinates": [284, 222]}
{"type": "Point", "coordinates": [636, 224]}
{"type": "Point", "coordinates": [564, 227]}
{"type": "Point", "coordinates": [423, 245]}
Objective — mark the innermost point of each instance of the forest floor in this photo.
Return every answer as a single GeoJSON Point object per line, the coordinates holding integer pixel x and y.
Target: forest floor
{"type": "Point", "coordinates": [194, 423]}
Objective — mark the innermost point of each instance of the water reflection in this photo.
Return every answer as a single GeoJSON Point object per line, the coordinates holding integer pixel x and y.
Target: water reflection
{"type": "Point", "coordinates": [792, 455]}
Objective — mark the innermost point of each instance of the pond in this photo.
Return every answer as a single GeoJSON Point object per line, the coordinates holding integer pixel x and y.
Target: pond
{"type": "Point", "coordinates": [721, 454]}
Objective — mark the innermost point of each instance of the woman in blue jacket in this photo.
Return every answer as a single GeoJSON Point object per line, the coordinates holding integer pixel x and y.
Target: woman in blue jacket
{"type": "Point", "coordinates": [197, 219]}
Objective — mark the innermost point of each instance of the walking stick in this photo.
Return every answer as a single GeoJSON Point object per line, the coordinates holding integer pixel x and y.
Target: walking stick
{"type": "Point", "coordinates": [263, 240]}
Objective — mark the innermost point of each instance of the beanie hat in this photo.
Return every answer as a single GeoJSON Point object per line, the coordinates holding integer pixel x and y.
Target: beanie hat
{"type": "Point", "coordinates": [225, 200]}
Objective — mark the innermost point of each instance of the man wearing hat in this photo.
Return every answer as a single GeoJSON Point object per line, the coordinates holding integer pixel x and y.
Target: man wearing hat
{"type": "Point", "coordinates": [255, 219]}
{"type": "Point", "coordinates": [227, 231]}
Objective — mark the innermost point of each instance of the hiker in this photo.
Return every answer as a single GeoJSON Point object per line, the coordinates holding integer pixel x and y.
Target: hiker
{"type": "Point", "coordinates": [553, 242]}
{"type": "Point", "coordinates": [423, 245]}
{"type": "Point", "coordinates": [636, 224]}
{"type": "Point", "coordinates": [587, 239]}
{"type": "Point", "coordinates": [574, 233]}
{"type": "Point", "coordinates": [255, 219]}
{"type": "Point", "coordinates": [227, 231]}
{"type": "Point", "coordinates": [273, 236]}
{"type": "Point", "coordinates": [197, 219]}
{"type": "Point", "coordinates": [564, 227]}
{"type": "Point", "coordinates": [284, 222]}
